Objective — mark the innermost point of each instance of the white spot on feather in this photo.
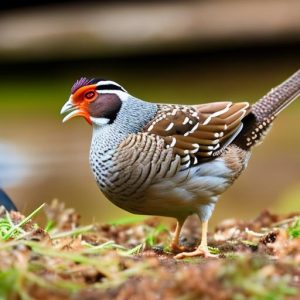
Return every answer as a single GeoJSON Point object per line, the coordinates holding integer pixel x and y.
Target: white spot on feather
{"type": "Point", "coordinates": [170, 126]}
{"type": "Point", "coordinates": [150, 127]}
{"type": "Point", "coordinates": [194, 128]}
{"type": "Point", "coordinates": [173, 142]}
{"type": "Point", "coordinates": [186, 120]}
{"type": "Point", "coordinates": [196, 146]}
{"type": "Point", "coordinates": [185, 158]}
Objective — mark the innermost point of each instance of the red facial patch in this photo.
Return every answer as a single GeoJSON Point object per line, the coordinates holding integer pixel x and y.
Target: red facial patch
{"type": "Point", "coordinates": [85, 94]}
{"type": "Point", "coordinates": [82, 98]}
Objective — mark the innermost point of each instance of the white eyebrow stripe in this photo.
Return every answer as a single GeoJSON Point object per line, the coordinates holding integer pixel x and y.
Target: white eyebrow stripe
{"type": "Point", "coordinates": [108, 82]}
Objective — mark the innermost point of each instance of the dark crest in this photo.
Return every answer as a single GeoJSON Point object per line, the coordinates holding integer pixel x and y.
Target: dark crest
{"type": "Point", "coordinates": [80, 83]}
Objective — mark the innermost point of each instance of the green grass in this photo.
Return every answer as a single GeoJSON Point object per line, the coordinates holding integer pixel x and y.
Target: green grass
{"type": "Point", "coordinates": [153, 234]}
{"type": "Point", "coordinates": [128, 220]}
{"type": "Point", "coordinates": [294, 230]}
{"type": "Point", "coordinates": [9, 230]}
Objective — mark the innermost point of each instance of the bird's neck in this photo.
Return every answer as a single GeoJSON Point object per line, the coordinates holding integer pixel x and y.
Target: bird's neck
{"type": "Point", "coordinates": [132, 118]}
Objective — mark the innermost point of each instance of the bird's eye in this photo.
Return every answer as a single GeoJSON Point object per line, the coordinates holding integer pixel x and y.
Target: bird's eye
{"type": "Point", "coordinates": [90, 95]}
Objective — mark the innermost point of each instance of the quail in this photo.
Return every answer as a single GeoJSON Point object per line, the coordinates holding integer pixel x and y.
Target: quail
{"type": "Point", "coordinates": [168, 159]}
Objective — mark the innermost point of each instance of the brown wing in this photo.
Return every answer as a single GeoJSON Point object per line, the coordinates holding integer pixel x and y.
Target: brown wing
{"type": "Point", "coordinates": [200, 131]}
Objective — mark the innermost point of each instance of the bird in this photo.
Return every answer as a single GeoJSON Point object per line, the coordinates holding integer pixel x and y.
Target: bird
{"type": "Point", "coordinates": [6, 201]}
{"type": "Point", "coordinates": [168, 159]}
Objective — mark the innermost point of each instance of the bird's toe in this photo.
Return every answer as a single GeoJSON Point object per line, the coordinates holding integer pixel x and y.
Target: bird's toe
{"type": "Point", "coordinates": [203, 252]}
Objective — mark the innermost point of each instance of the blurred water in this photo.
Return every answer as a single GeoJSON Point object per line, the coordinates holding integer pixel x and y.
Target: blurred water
{"type": "Point", "coordinates": [14, 165]}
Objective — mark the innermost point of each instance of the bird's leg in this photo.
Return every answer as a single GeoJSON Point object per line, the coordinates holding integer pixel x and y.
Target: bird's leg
{"type": "Point", "coordinates": [202, 249]}
{"type": "Point", "coordinates": [174, 245]}
{"type": "Point", "coordinates": [203, 245]}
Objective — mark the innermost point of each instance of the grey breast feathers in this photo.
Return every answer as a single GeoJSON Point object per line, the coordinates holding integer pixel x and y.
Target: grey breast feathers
{"type": "Point", "coordinates": [140, 160]}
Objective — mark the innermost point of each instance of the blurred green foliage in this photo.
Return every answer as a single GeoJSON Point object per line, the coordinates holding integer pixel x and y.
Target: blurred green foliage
{"type": "Point", "coordinates": [289, 201]}
{"type": "Point", "coordinates": [294, 230]}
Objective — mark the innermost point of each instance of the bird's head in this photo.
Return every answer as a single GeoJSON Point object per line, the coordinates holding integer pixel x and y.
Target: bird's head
{"type": "Point", "coordinates": [97, 100]}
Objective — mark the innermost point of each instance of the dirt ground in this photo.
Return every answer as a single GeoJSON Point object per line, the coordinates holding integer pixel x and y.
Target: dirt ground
{"type": "Point", "coordinates": [130, 259]}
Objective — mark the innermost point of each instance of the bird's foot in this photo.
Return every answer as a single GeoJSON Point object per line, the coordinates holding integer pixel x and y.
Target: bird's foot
{"type": "Point", "coordinates": [200, 251]}
{"type": "Point", "coordinates": [175, 247]}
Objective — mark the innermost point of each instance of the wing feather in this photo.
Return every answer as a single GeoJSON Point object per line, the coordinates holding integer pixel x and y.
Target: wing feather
{"type": "Point", "coordinates": [200, 132]}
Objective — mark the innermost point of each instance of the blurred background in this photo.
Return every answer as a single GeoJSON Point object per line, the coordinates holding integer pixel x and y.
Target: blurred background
{"type": "Point", "coordinates": [173, 52]}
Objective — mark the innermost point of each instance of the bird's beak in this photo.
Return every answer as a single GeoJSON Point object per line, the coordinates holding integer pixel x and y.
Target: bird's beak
{"type": "Point", "coordinates": [70, 107]}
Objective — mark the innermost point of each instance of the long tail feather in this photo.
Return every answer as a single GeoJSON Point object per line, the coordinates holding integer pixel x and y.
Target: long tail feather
{"type": "Point", "coordinates": [264, 111]}
{"type": "Point", "coordinates": [278, 98]}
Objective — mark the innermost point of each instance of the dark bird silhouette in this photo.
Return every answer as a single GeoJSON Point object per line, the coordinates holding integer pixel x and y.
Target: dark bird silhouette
{"type": "Point", "coordinates": [6, 201]}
